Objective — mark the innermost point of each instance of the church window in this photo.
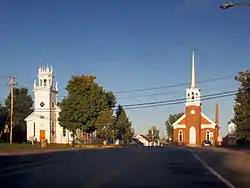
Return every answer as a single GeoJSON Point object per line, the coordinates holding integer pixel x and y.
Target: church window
{"type": "Point", "coordinates": [45, 82]}
{"type": "Point", "coordinates": [196, 94]}
{"type": "Point", "coordinates": [53, 128]}
{"type": "Point", "coordinates": [207, 135]}
{"type": "Point", "coordinates": [180, 136]}
{"type": "Point", "coordinates": [34, 129]}
{"type": "Point", "coordinates": [64, 132]}
{"type": "Point", "coordinates": [41, 82]}
{"type": "Point", "coordinates": [188, 95]}
{"type": "Point", "coordinates": [193, 95]}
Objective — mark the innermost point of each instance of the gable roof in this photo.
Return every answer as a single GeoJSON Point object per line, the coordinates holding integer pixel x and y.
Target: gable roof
{"type": "Point", "coordinates": [204, 120]}
{"type": "Point", "coordinates": [31, 117]}
{"type": "Point", "coordinates": [180, 121]}
{"type": "Point", "coordinates": [143, 136]}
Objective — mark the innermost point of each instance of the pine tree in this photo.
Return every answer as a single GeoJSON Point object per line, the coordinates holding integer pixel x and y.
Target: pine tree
{"type": "Point", "coordinates": [242, 106]}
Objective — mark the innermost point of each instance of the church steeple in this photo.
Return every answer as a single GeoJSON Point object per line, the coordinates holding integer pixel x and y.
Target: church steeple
{"type": "Point", "coordinates": [193, 93]}
{"type": "Point", "coordinates": [193, 78]}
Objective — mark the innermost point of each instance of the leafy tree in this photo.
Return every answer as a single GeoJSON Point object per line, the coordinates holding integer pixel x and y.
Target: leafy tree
{"type": "Point", "coordinates": [124, 126]}
{"type": "Point", "coordinates": [83, 104]}
{"type": "Point", "coordinates": [105, 124]}
{"type": "Point", "coordinates": [22, 108]}
{"type": "Point", "coordinates": [242, 106]}
{"type": "Point", "coordinates": [168, 123]}
{"type": "Point", "coordinates": [3, 120]}
{"type": "Point", "coordinates": [153, 133]}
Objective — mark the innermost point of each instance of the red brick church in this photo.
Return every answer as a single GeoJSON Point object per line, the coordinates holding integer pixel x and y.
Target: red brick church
{"type": "Point", "coordinates": [194, 126]}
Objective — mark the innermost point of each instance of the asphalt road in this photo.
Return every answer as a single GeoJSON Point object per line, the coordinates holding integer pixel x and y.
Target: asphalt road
{"type": "Point", "coordinates": [123, 167]}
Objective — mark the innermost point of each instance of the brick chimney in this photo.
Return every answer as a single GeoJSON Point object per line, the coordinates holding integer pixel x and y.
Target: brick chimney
{"type": "Point", "coordinates": [217, 121]}
{"type": "Point", "coordinates": [217, 114]}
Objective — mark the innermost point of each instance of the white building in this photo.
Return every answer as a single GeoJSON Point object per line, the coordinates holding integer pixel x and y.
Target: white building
{"type": "Point", "coordinates": [231, 129]}
{"type": "Point", "coordinates": [43, 123]}
{"type": "Point", "coordinates": [232, 133]}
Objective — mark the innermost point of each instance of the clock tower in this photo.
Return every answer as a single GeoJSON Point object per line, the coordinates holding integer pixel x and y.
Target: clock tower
{"type": "Point", "coordinates": [193, 109]}
{"type": "Point", "coordinates": [45, 100]}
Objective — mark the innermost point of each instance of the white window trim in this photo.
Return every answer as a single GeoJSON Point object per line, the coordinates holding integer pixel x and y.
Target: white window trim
{"type": "Point", "coordinates": [179, 126]}
{"type": "Point", "coordinates": [207, 126]}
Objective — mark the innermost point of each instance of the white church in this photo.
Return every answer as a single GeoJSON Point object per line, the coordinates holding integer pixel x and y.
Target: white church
{"type": "Point", "coordinates": [42, 123]}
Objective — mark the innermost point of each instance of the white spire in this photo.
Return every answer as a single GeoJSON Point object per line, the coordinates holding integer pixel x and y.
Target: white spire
{"type": "Point", "coordinates": [193, 79]}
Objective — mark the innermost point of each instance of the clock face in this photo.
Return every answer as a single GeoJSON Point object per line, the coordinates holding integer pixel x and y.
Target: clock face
{"type": "Point", "coordinates": [42, 104]}
{"type": "Point", "coordinates": [192, 112]}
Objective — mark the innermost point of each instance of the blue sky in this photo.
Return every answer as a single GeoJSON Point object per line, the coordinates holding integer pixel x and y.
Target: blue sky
{"type": "Point", "coordinates": [128, 45]}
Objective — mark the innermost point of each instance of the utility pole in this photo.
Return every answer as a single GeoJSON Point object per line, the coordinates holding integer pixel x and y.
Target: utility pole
{"type": "Point", "coordinates": [11, 84]}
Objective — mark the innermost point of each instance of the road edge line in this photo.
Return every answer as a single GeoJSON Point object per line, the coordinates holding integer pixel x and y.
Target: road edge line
{"type": "Point", "coordinates": [220, 177]}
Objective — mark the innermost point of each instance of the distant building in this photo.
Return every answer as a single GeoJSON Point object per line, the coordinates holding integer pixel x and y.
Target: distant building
{"type": "Point", "coordinates": [231, 136]}
{"type": "Point", "coordinates": [43, 123]}
{"type": "Point", "coordinates": [194, 126]}
{"type": "Point", "coordinates": [231, 129]}
{"type": "Point", "coordinates": [144, 140]}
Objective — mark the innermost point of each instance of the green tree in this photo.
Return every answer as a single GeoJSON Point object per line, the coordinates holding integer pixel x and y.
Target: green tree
{"type": "Point", "coordinates": [3, 121]}
{"type": "Point", "coordinates": [83, 104]}
{"type": "Point", "coordinates": [153, 133]}
{"type": "Point", "coordinates": [123, 125]}
{"type": "Point", "coordinates": [168, 123]}
{"type": "Point", "coordinates": [22, 108]}
{"type": "Point", "coordinates": [242, 106]}
{"type": "Point", "coordinates": [105, 124]}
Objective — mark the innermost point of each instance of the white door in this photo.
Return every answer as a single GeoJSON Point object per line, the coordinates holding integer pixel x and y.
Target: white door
{"type": "Point", "coordinates": [192, 135]}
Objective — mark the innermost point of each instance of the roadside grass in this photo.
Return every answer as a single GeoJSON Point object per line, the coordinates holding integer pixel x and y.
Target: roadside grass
{"type": "Point", "coordinates": [13, 146]}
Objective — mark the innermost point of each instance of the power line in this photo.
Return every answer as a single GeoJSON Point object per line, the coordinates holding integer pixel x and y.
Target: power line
{"type": "Point", "coordinates": [154, 94]}
{"type": "Point", "coordinates": [175, 85]}
{"type": "Point", "coordinates": [180, 102]}
{"type": "Point", "coordinates": [147, 95]}
{"type": "Point", "coordinates": [176, 100]}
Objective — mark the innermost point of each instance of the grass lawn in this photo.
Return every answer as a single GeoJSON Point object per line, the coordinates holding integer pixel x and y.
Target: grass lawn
{"type": "Point", "coordinates": [6, 146]}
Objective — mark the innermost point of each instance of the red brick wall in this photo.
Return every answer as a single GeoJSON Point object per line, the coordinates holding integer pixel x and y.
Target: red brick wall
{"type": "Point", "coordinates": [203, 134]}
{"type": "Point", "coordinates": [194, 120]}
{"type": "Point", "coordinates": [176, 135]}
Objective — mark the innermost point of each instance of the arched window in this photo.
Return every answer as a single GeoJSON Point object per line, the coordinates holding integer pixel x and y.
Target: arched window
{"type": "Point", "coordinates": [64, 132]}
{"type": "Point", "coordinates": [180, 136]}
{"type": "Point", "coordinates": [207, 135]}
{"type": "Point", "coordinates": [45, 82]}
{"type": "Point", "coordinates": [34, 129]}
{"type": "Point", "coordinates": [53, 129]}
{"type": "Point", "coordinates": [41, 82]}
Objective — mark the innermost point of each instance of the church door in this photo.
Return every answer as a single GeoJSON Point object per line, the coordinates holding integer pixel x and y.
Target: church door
{"type": "Point", "coordinates": [42, 135]}
{"type": "Point", "coordinates": [192, 135]}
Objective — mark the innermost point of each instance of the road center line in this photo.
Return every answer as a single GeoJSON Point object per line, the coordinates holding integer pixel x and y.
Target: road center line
{"type": "Point", "coordinates": [224, 180]}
